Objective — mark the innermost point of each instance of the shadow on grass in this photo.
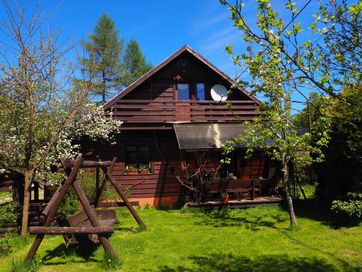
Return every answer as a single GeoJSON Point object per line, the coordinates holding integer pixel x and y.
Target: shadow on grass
{"type": "Point", "coordinates": [84, 251]}
{"type": "Point", "coordinates": [136, 229]}
{"type": "Point", "coordinates": [321, 212]}
{"type": "Point", "coordinates": [270, 263]}
{"type": "Point", "coordinates": [226, 218]}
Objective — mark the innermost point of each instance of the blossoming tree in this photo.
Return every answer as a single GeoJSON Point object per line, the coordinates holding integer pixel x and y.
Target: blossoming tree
{"type": "Point", "coordinates": [41, 111]}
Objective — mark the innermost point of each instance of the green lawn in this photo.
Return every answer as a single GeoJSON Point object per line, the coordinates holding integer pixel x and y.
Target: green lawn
{"type": "Point", "coordinates": [255, 239]}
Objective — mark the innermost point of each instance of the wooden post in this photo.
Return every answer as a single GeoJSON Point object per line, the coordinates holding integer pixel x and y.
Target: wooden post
{"type": "Point", "coordinates": [124, 198]}
{"type": "Point", "coordinates": [55, 202]}
{"type": "Point", "coordinates": [97, 195]}
{"type": "Point", "coordinates": [49, 206]}
{"type": "Point", "coordinates": [36, 191]}
{"type": "Point", "coordinates": [302, 190]}
{"type": "Point", "coordinates": [252, 189]}
{"type": "Point", "coordinates": [104, 183]}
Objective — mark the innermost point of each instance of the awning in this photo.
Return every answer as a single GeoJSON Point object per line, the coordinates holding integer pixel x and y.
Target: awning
{"type": "Point", "coordinates": [203, 136]}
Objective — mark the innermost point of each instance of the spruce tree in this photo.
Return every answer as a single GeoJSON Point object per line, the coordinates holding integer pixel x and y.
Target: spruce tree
{"type": "Point", "coordinates": [135, 63]}
{"type": "Point", "coordinates": [102, 66]}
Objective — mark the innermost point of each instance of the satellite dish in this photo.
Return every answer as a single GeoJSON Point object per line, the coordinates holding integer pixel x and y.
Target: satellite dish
{"type": "Point", "coordinates": [219, 93]}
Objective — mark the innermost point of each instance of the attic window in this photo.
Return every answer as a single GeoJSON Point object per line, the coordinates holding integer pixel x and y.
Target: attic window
{"type": "Point", "coordinates": [200, 89]}
{"type": "Point", "coordinates": [183, 92]}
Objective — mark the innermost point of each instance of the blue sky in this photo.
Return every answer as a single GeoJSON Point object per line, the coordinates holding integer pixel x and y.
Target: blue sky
{"type": "Point", "coordinates": [160, 26]}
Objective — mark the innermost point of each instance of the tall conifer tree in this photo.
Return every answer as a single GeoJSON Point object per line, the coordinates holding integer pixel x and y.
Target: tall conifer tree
{"type": "Point", "coordinates": [102, 65]}
{"type": "Point", "coordinates": [135, 63]}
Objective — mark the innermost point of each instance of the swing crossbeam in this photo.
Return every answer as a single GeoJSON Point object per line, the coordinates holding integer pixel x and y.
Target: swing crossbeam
{"type": "Point", "coordinates": [70, 230]}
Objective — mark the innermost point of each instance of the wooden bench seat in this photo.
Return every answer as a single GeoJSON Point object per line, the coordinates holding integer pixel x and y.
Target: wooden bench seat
{"type": "Point", "coordinates": [106, 217]}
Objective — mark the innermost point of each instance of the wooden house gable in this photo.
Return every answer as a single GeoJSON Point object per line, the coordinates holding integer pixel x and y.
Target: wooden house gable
{"type": "Point", "coordinates": [184, 66]}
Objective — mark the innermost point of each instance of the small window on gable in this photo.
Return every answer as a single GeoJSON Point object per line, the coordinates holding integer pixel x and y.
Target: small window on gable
{"type": "Point", "coordinates": [200, 89]}
{"type": "Point", "coordinates": [183, 92]}
{"type": "Point", "coordinates": [138, 158]}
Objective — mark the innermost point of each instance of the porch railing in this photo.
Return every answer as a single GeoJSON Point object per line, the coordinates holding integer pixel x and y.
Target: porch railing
{"type": "Point", "coordinates": [154, 111]}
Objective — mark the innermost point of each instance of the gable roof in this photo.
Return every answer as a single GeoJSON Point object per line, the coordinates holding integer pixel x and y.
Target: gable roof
{"type": "Point", "coordinates": [157, 68]}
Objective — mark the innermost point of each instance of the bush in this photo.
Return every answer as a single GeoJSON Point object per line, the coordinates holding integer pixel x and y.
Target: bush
{"type": "Point", "coordinates": [8, 213]}
{"type": "Point", "coordinates": [88, 182]}
{"type": "Point", "coordinates": [351, 206]}
{"type": "Point", "coordinates": [340, 173]}
{"type": "Point", "coordinates": [5, 246]}
{"type": "Point", "coordinates": [69, 205]}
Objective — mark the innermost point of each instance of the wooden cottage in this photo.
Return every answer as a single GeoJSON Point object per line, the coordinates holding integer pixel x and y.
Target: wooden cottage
{"type": "Point", "coordinates": [172, 114]}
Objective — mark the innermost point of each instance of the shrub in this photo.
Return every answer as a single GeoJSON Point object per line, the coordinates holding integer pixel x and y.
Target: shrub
{"type": "Point", "coordinates": [8, 213]}
{"type": "Point", "coordinates": [69, 205]}
{"type": "Point", "coordinates": [351, 206]}
{"type": "Point", "coordinates": [5, 246]}
{"type": "Point", "coordinates": [88, 182]}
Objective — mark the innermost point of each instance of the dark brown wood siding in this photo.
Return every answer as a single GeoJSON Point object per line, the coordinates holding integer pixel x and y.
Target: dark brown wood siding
{"type": "Point", "coordinates": [154, 100]}
{"type": "Point", "coordinates": [183, 69]}
{"type": "Point", "coordinates": [161, 182]}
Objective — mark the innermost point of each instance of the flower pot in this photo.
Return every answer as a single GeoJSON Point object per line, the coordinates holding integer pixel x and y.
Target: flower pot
{"type": "Point", "coordinates": [144, 172]}
{"type": "Point", "coordinates": [225, 198]}
{"type": "Point", "coordinates": [132, 172]}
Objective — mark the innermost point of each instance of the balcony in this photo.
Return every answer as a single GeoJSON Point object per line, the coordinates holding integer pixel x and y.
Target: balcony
{"type": "Point", "coordinates": [154, 111]}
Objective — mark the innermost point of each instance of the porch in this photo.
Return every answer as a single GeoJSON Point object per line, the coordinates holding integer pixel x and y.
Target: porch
{"type": "Point", "coordinates": [169, 111]}
{"type": "Point", "coordinates": [235, 203]}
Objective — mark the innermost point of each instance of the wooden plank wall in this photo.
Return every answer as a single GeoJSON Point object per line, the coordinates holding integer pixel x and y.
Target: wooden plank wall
{"type": "Point", "coordinates": [161, 85]}
{"type": "Point", "coordinates": [165, 162]}
{"type": "Point", "coordinates": [161, 182]}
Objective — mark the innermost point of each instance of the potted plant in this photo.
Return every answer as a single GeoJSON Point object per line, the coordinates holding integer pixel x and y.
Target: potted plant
{"type": "Point", "coordinates": [131, 170]}
{"type": "Point", "coordinates": [224, 197]}
{"type": "Point", "coordinates": [143, 170]}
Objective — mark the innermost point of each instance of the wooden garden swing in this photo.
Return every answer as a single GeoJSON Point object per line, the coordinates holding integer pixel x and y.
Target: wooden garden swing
{"type": "Point", "coordinates": [86, 222]}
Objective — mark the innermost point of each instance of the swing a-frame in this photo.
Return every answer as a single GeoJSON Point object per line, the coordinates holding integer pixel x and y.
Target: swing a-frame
{"type": "Point", "coordinates": [86, 223]}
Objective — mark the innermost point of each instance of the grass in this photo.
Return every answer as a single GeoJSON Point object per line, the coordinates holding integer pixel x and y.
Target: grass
{"type": "Point", "coordinates": [255, 239]}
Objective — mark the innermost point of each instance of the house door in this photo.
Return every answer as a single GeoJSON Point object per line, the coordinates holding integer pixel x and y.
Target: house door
{"type": "Point", "coordinates": [183, 112]}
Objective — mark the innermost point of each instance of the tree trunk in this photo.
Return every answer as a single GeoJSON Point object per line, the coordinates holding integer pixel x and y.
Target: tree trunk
{"type": "Point", "coordinates": [104, 89]}
{"type": "Point", "coordinates": [28, 178]}
{"type": "Point", "coordinates": [292, 217]}
{"type": "Point", "coordinates": [286, 187]}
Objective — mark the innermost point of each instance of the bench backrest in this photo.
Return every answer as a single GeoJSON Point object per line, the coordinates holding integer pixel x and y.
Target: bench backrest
{"type": "Point", "coordinates": [78, 218]}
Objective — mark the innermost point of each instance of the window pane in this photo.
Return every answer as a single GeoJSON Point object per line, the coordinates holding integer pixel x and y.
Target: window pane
{"type": "Point", "coordinates": [131, 154]}
{"type": "Point", "coordinates": [183, 92]}
{"type": "Point", "coordinates": [144, 154]}
{"type": "Point", "coordinates": [131, 148]}
{"type": "Point", "coordinates": [200, 88]}
{"type": "Point", "coordinates": [137, 156]}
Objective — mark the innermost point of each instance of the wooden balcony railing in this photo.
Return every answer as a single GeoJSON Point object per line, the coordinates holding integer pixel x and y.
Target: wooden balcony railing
{"type": "Point", "coordinates": [153, 111]}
